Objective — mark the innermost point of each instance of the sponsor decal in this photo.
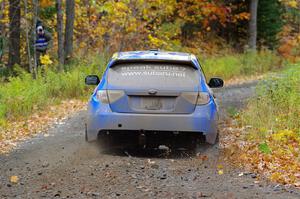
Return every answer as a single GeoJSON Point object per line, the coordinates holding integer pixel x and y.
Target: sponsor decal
{"type": "Point", "coordinates": [148, 70]}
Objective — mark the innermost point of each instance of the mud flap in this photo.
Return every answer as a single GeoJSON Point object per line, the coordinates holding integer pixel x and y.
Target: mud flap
{"type": "Point", "coordinates": [211, 138]}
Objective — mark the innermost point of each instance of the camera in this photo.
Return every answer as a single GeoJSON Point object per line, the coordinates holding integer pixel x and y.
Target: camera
{"type": "Point", "coordinates": [40, 29]}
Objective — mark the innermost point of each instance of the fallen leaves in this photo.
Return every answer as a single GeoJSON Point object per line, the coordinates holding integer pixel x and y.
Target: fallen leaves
{"type": "Point", "coordinates": [150, 161]}
{"type": "Point", "coordinates": [14, 179]}
{"type": "Point", "coordinates": [244, 79]}
{"type": "Point", "coordinates": [277, 158]}
{"type": "Point", "coordinates": [220, 169]}
{"type": "Point", "coordinates": [20, 129]}
{"type": "Point", "coordinates": [220, 172]}
{"type": "Point", "coordinates": [202, 157]}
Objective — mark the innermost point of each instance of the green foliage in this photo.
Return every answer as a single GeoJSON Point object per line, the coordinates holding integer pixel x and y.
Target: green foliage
{"type": "Point", "coordinates": [22, 95]}
{"type": "Point", "coordinates": [48, 12]}
{"type": "Point", "coordinates": [250, 63]}
{"type": "Point", "coordinates": [3, 47]}
{"type": "Point", "coordinates": [276, 106]}
{"type": "Point", "coordinates": [4, 72]}
{"type": "Point", "coordinates": [264, 148]}
{"type": "Point", "coordinates": [232, 111]}
{"type": "Point", "coordinates": [269, 22]}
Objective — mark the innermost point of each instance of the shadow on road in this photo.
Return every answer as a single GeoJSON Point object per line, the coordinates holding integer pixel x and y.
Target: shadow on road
{"type": "Point", "coordinates": [162, 152]}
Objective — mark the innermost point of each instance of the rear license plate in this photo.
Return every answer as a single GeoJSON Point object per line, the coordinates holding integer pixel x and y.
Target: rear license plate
{"type": "Point", "coordinates": [151, 103]}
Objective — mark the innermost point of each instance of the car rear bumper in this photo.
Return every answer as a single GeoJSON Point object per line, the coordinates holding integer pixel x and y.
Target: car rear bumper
{"type": "Point", "coordinates": [202, 120]}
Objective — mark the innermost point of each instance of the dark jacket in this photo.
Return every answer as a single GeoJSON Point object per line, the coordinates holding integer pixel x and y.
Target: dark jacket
{"type": "Point", "coordinates": [42, 42]}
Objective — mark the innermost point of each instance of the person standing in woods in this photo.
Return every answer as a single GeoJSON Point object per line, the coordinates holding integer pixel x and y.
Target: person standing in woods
{"type": "Point", "coordinates": [42, 41]}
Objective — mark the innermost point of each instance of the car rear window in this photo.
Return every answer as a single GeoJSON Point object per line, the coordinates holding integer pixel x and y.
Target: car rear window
{"type": "Point", "coordinates": [159, 75]}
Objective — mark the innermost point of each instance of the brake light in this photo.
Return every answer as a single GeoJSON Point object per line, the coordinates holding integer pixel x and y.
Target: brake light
{"type": "Point", "coordinates": [191, 97]}
{"type": "Point", "coordinates": [102, 96]}
{"type": "Point", "coordinates": [109, 96]}
{"type": "Point", "coordinates": [197, 98]}
{"type": "Point", "coordinates": [203, 98]}
{"type": "Point", "coordinates": [114, 95]}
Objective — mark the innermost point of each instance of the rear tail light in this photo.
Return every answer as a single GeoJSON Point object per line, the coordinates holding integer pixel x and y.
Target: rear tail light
{"type": "Point", "coordinates": [191, 97]}
{"type": "Point", "coordinates": [197, 98]}
{"type": "Point", "coordinates": [109, 96]}
{"type": "Point", "coordinates": [102, 96]}
{"type": "Point", "coordinates": [114, 95]}
{"type": "Point", "coordinates": [203, 98]}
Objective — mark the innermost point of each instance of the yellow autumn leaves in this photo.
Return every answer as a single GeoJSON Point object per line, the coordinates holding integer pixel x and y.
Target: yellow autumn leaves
{"type": "Point", "coordinates": [290, 3]}
{"type": "Point", "coordinates": [285, 136]}
{"type": "Point", "coordinates": [46, 3]}
{"type": "Point", "coordinates": [45, 60]}
{"type": "Point", "coordinates": [14, 179]}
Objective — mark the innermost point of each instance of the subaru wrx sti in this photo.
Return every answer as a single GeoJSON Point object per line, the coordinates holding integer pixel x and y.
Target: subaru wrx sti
{"type": "Point", "coordinates": [147, 95]}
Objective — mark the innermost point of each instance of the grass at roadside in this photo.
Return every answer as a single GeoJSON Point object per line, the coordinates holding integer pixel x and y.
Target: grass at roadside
{"type": "Point", "coordinates": [270, 129]}
{"type": "Point", "coordinates": [241, 65]}
{"type": "Point", "coordinates": [276, 106]}
{"type": "Point", "coordinates": [22, 95]}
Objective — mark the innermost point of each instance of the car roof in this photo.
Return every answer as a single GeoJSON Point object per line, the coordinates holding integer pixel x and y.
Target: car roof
{"type": "Point", "coordinates": [153, 55]}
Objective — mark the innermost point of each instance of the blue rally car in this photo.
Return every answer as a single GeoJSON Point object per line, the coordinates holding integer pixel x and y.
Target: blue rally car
{"type": "Point", "coordinates": [146, 96]}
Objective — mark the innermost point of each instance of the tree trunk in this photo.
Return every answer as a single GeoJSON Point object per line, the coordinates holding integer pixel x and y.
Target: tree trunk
{"type": "Point", "coordinates": [35, 15]}
{"type": "Point", "coordinates": [14, 33]}
{"type": "Point", "coordinates": [31, 68]}
{"type": "Point", "coordinates": [2, 7]}
{"type": "Point", "coordinates": [70, 14]}
{"type": "Point", "coordinates": [253, 24]}
{"type": "Point", "coordinates": [2, 30]}
{"type": "Point", "coordinates": [60, 39]}
{"type": "Point", "coordinates": [88, 13]}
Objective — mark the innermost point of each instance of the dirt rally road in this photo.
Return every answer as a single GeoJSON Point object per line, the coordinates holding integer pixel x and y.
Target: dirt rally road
{"type": "Point", "coordinates": [63, 165]}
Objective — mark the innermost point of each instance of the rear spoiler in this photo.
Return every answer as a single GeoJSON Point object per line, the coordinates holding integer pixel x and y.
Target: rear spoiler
{"type": "Point", "coordinates": [121, 61]}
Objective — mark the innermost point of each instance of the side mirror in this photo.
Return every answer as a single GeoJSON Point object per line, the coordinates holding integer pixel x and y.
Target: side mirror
{"type": "Point", "coordinates": [92, 80]}
{"type": "Point", "coordinates": [215, 83]}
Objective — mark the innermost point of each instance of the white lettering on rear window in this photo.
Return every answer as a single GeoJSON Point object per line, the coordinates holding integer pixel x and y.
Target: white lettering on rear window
{"type": "Point", "coordinates": [148, 70]}
{"type": "Point", "coordinates": [154, 73]}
